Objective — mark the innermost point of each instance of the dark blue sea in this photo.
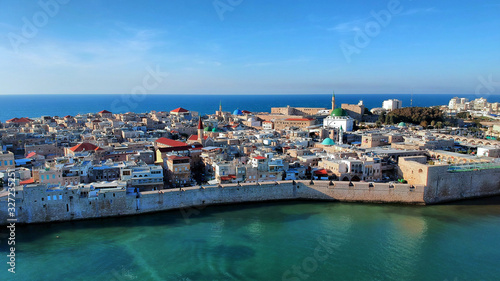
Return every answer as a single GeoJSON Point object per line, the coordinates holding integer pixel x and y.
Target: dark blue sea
{"type": "Point", "coordinates": [61, 105]}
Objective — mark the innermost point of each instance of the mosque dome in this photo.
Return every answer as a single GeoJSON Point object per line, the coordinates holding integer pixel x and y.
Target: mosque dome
{"type": "Point", "coordinates": [402, 124]}
{"type": "Point", "coordinates": [328, 141]}
{"type": "Point", "coordinates": [237, 112]}
{"type": "Point", "coordinates": [207, 129]}
{"type": "Point", "coordinates": [338, 112]}
{"type": "Point", "coordinates": [215, 130]}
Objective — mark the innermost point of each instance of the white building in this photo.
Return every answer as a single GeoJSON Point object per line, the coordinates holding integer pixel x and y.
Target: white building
{"type": "Point", "coordinates": [142, 175]}
{"type": "Point", "coordinates": [479, 104]}
{"type": "Point", "coordinates": [457, 103]}
{"type": "Point", "coordinates": [338, 119]}
{"type": "Point", "coordinates": [391, 104]}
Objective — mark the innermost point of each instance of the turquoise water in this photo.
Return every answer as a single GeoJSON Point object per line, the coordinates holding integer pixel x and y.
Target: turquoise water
{"type": "Point", "coordinates": [319, 240]}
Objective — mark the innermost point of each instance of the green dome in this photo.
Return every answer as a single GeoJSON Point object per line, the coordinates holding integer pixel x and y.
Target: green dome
{"type": "Point", "coordinates": [207, 129]}
{"type": "Point", "coordinates": [328, 141]}
{"type": "Point", "coordinates": [402, 124]}
{"type": "Point", "coordinates": [338, 112]}
{"type": "Point", "coordinates": [215, 130]}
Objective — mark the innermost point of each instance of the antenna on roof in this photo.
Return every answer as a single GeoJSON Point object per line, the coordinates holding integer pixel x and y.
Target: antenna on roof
{"type": "Point", "coordinates": [411, 98]}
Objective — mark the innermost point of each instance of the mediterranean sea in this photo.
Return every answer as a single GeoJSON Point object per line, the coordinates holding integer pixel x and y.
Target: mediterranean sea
{"type": "Point", "coordinates": [62, 105]}
{"type": "Point", "coordinates": [295, 240]}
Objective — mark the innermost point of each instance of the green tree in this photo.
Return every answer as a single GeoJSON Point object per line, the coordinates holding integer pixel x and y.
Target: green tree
{"type": "Point", "coordinates": [391, 119]}
{"type": "Point", "coordinates": [424, 124]}
{"type": "Point", "coordinates": [381, 117]}
{"type": "Point", "coordinates": [439, 125]}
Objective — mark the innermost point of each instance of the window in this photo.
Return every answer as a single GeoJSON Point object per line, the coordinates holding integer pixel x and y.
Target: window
{"type": "Point", "coordinates": [48, 198]}
{"type": "Point", "coordinates": [54, 197]}
{"type": "Point", "coordinates": [11, 162]}
{"type": "Point", "coordinates": [60, 197]}
{"type": "Point", "coordinates": [53, 176]}
{"type": "Point", "coordinates": [5, 163]}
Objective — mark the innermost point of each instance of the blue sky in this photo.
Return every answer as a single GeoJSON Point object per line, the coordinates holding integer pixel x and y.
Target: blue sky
{"type": "Point", "coordinates": [248, 46]}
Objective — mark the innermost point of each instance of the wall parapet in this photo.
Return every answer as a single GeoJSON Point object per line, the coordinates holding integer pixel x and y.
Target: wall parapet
{"type": "Point", "coordinates": [31, 208]}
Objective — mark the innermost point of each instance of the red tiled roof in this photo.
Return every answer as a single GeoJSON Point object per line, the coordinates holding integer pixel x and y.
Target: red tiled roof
{"type": "Point", "coordinates": [259, 157]}
{"type": "Point", "coordinates": [298, 119]}
{"type": "Point", "coordinates": [28, 181]}
{"type": "Point", "coordinates": [321, 172]}
{"type": "Point", "coordinates": [104, 111]}
{"type": "Point", "coordinates": [179, 110]}
{"type": "Point", "coordinates": [68, 116]}
{"type": "Point", "coordinates": [228, 177]}
{"type": "Point", "coordinates": [170, 142]}
{"type": "Point", "coordinates": [195, 137]}
{"type": "Point", "coordinates": [245, 111]}
{"type": "Point", "coordinates": [85, 146]}
{"type": "Point", "coordinates": [267, 122]}
{"type": "Point", "coordinates": [25, 120]}
{"type": "Point", "coordinates": [32, 154]}
{"type": "Point", "coordinates": [19, 120]}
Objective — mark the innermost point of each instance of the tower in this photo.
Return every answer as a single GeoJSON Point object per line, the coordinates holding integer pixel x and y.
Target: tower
{"type": "Point", "coordinates": [220, 106]}
{"type": "Point", "coordinates": [200, 131]}
{"type": "Point", "coordinates": [333, 101]}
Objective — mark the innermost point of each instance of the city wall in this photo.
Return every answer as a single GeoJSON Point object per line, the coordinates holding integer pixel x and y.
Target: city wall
{"type": "Point", "coordinates": [446, 186]}
{"type": "Point", "coordinates": [31, 209]}
{"type": "Point", "coordinates": [442, 185]}
{"type": "Point", "coordinates": [427, 185]}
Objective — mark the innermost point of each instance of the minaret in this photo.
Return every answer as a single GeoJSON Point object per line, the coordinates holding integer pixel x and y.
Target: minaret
{"type": "Point", "coordinates": [333, 101]}
{"type": "Point", "coordinates": [220, 106]}
{"type": "Point", "coordinates": [200, 131]}
{"type": "Point", "coordinates": [341, 135]}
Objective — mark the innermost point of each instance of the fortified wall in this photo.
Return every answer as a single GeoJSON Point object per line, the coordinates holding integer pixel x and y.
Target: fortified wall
{"type": "Point", "coordinates": [33, 206]}
{"type": "Point", "coordinates": [427, 184]}
{"type": "Point", "coordinates": [448, 182]}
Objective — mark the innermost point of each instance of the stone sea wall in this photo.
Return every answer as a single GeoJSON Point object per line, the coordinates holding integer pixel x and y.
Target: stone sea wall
{"type": "Point", "coordinates": [35, 204]}
{"type": "Point", "coordinates": [30, 207]}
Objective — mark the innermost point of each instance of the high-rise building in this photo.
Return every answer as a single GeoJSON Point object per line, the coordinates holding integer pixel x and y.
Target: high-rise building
{"type": "Point", "coordinates": [391, 104]}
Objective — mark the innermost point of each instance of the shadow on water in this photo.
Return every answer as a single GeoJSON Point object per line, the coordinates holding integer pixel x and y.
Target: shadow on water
{"type": "Point", "coordinates": [176, 218]}
{"type": "Point", "coordinates": [485, 201]}
{"type": "Point", "coordinates": [170, 218]}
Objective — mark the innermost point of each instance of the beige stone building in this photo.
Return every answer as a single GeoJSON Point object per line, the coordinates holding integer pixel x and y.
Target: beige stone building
{"type": "Point", "coordinates": [297, 110]}
{"type": "Point", "coordinates": [7, 160]}
{"type": "Point", "coordinates": [373, 140]}
{"type": "Point", "coordinates": [354, 111]}
{"type": "Point", "coordinates": [301, 123]}
{"type": "Point", "coordinates": [178, 170]}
